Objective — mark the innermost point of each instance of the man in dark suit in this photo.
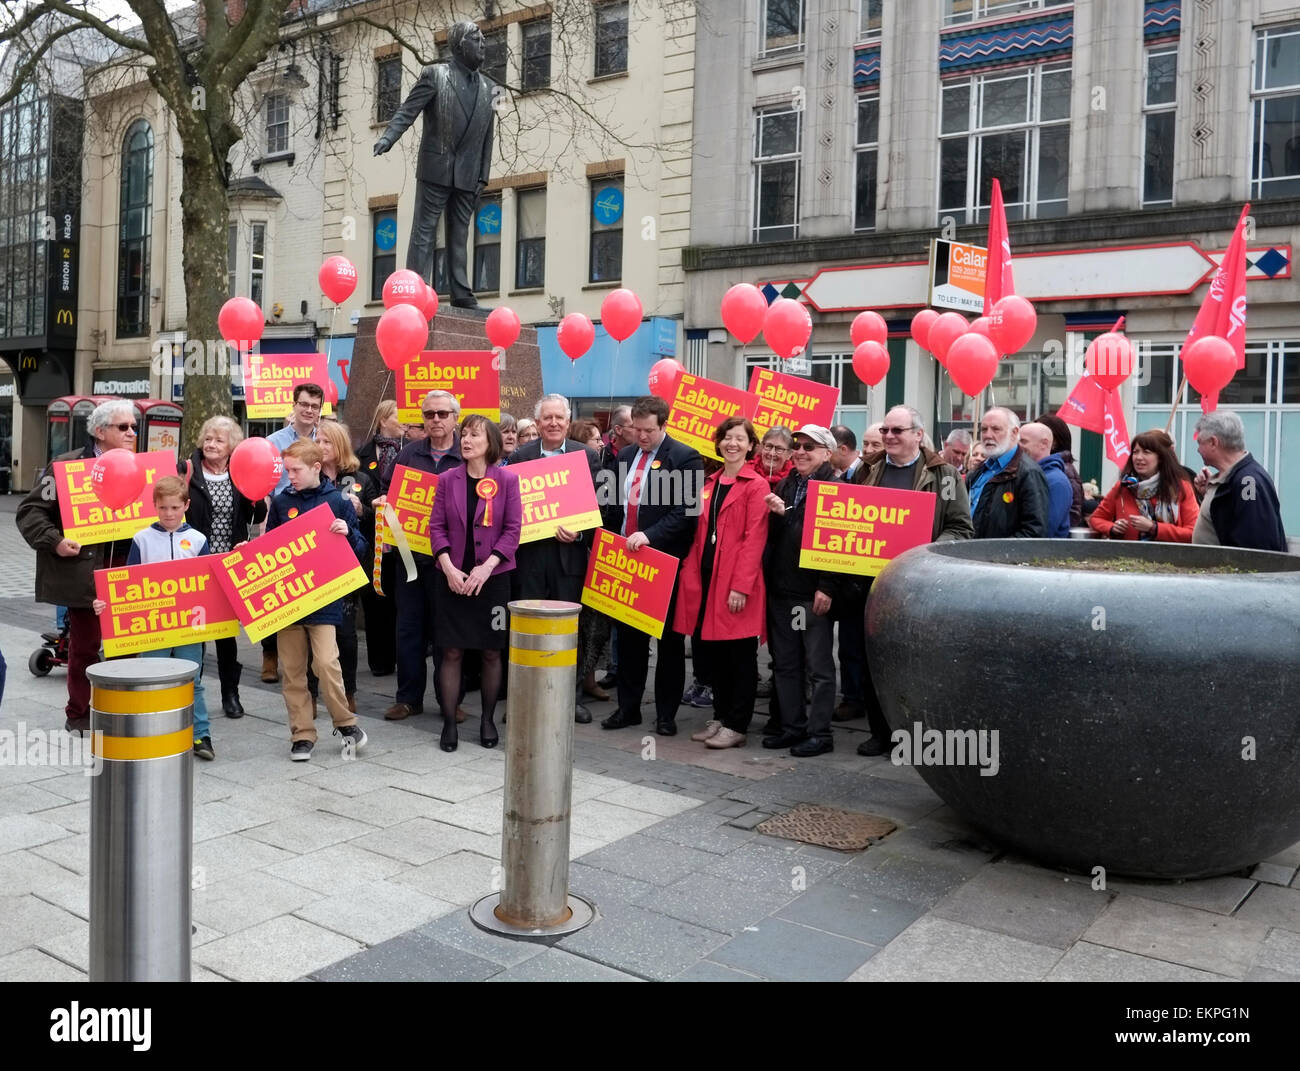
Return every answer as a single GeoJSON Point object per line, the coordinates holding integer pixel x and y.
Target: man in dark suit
{"type": "Point", "coordinates": [659, 481]}
{"type": "Point", "coordinates": [455, 154]}
{"type": "Point", "coordinates": [555, 568]}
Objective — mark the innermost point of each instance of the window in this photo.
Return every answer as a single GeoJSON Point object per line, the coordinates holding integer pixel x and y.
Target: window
{"type": "Point", "coordinates": [870, 15]}
{"type": "Point", "coordinates": [1275, 155]}
{"type": "Point", "coordinates": [495, 56]}
{"type": "Point", "coordinates": [776, 174]}
{"type": "Point", "coordinates": [530, 239]}
{"type": "Point", "coordinates": [781, 28]}
{"type": "Point", "coordinates": [536, 72]}
{"type": "Point", "coordinates": [277, 123]}
{"type": "Point", "coordinates": [1012, 126]}
{"type": "Point", "coordinates": [1158, 130]}
{"type": "Point", "coordinates": [383, 250]}
{"type": "Point", "coordinates": [388, 87]}
{"type": "Point", "coordinates": [864, 198]}
{"type": "Point", "coordinates": [611, 38]}
{"type": "Point", "coordinates": [232, 256]}
{"type": "Point", "coordinates": [958, 11]}
{"type": "Point", "coordinates": [134, 232]}
{"type": "Point", "coordinates": [257, 265]}
{"type": "Point", "coordinates": [487, 246]}
{"type": "Point", "coordinates": [606, 229]}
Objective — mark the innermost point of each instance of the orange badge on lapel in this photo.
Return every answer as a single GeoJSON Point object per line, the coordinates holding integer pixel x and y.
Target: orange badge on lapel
{"type": "Point", "coordinates": [293, 512]}
{"type": "Point", "coordinates": [487, 491]}
{"type": "Point", "coordinates": [1008, 497]}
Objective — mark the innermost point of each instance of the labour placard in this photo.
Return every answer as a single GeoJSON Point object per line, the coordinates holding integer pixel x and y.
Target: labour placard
{"type": "Point", "coordinates": [556, 492]}
{"type": "Point", "coordinates": [471, 375]}
{"type": "Point", "coordinates": [786, 401]}
{"type": "Point", "coordinates": [269, 380]}
{"type": "Point", "coordinates": [853, 529]}
{"type": "Point", "coordinates": [163, 605]}
{"type": "Point", "coordinates": [86, 520]}
{"type": "Point", "coordinates": [411, 495]}
{"type": "Point", "coordinates": [700, 406]}
{"type": "Point", "coordinates": [634, 588]}
{"type": "Point", "coordinates": [290, 572]}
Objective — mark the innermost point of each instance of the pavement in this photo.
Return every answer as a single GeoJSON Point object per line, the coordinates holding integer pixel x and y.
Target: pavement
{"type": "Point", "coordinates": [363, 870]}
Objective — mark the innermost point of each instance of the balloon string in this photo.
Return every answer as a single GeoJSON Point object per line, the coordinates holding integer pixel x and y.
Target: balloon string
{"type": "Point", "coordinates": [329, 346]}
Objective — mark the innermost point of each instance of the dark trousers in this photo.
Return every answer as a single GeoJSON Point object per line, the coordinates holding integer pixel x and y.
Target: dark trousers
{"type": "Point", "coordinates": [801, 643]}
{"type": "Point", "coordinates": [853, 647]}
{"type": "Point", "coordinates": [634, 665]}
{"type": "Point", "coordinates": [734, 667]}
{"type": "Point", "coordinates": [83, 652]}
{"type": "Point", "coordinates": [228, 666]}
{"type": "Point", "coordinates": [414, 631]}
{"type": "Point", "coordinates": [381, 619]}
{"type": "Point", "coordinates": [875, 715]}
{"type": "Point", "coordinates": [548, 583]}
{"type": "Point", "coordinates": [430, 202]}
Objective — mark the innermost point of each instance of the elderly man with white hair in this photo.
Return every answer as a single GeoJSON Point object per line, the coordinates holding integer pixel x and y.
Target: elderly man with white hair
{"type": "Point", "coordinates": [1240, 508]}
{"type": "Point", "coordinates": [1008, 493]}
{"type": "Point", "coordinates": [65, 570]}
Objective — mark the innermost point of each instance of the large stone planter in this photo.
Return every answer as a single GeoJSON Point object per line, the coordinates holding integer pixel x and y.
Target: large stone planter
{"type": "Point", "coordinates": [1147, 724]}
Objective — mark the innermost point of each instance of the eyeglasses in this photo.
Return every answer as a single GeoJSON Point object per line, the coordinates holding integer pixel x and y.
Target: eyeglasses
{"type": "Point", "coordinates": [309, 406]}
{"type": "Point", "coordinates": [123, 428]}
{"type": "Point", "coordinates": [897, 431]}
{"type": "Point", "coordinates": [808, 447]}
{"type": "Point", "coordinates": [441, 414]}
{"type": "Point", "coordinates": [777, 448]}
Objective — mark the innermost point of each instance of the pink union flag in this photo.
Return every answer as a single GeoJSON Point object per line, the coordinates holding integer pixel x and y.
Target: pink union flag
{"type": "Point", "coordinates": [1223, 312]}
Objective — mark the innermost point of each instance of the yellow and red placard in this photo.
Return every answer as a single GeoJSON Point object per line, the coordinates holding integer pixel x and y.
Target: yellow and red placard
{"type": "Point", "coordinates": [632, 588]}
{"type": "Point", "coordinates": [290, 572]}
{"type": "Point", "coordinates": [786, 401]}
{"type": "Point", "coordinates": [269, 379]}
{"type": "Point", "coordinates": [411, 495]}
{"type": "Point", "coordinates": [853, 529]}
{"type": "Point", "coordinates": [471, 375]}
{"type": "Point", "coordinates": [556, 491]}
{"type": "Point", "coordinates": [700, 406]}
{"type": "Point", "coordinates": [166, 604]}
{"type": "Point", "coordinates": [86, 520]}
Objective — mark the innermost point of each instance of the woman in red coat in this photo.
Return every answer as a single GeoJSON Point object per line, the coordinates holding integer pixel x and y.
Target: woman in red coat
{"type": "Point", "coordinates": [721, 600]}
{"type": "Point", "coordinates": [1153, 499]}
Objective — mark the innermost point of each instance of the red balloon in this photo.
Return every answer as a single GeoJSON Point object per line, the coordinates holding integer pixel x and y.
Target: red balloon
{"type": "Point", "coordinates": [331, 390]}
{"type": "Point", "coordinates": [255, 468]}
{"type": "Point", "coordinates": [1211, 363]}
{"type": "Point", "coordinates": [787, 327]}
{"type": "Point", "coordinates": [663, 378]}
{"type": "Point", "coordinates": [575, 335]}
{"type": "Point", "coordinates": [944, 332]}
{"type": "Point", "coordinates": [980, 325]}
{"type": "Point", "coordinates": [868, 326]}
{"type": "Point", "coordinates": [338, 278]}
{"type": "Point", "coordinates": [400, 334]}
{"type": "Point", "coordinates": [871, 362]}
{"type": "Point", "coordinates": [430, 306]}
{"type": "Point", "coordinates": [744, 309]}
{"type": "Point", "coordinates": [240, 322]}
{"type": "Point", "coordinates": [404, 287]}
{"type": "Point", "coordinates": [1011, 323]}
{"type": "Point", "coordinates": [972, 363]}
{"type": "Point", "coordinates": [502, 327]}
{"type": "Point", "coordinates": [116, 478]}
{"type": "Point", "coordinates": [1109, 359]}
{"type": "Point", "coordinates": [620, 314]}
{"type": "Point", "coordinates": [921, 324]}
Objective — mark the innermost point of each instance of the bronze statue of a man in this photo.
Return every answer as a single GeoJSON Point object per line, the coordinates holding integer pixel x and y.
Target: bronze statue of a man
{"type": "Point", "coordinates": [455, 154]}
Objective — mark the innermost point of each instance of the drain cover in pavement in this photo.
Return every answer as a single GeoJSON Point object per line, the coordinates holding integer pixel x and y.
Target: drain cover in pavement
{"type": "Point", "coordinates": [842, 830]}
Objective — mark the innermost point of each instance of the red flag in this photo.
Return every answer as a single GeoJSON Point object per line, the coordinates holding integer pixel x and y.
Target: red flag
{"type": "Point", "coordinates": [997, 277]}
{"type": "Point", "coordinates": [1094, 409]}
{"type": "Point", "coordinates": [1223, 312]}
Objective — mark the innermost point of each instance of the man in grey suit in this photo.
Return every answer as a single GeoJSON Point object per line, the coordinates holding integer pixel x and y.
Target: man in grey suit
{"type": "Point", "coordinates": [455, 154]}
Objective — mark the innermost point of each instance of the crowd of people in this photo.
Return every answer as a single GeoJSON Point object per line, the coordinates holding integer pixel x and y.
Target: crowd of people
{"type": "Point", "coordinates": [735, 528]}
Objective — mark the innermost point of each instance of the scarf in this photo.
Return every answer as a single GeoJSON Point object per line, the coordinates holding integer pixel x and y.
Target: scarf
{"type": "Point", "coordinates": [1153, 508]}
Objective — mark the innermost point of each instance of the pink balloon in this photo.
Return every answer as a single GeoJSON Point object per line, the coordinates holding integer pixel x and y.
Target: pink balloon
{"type": "Point", "coordinates": [338, 278]}
{"type": "Point", "coordinates": [868, 326]}
{"type": "Point", "coordinates": [1011, 323]}
{"type": "Point", "coordinates": [620, 314]}
{"type": "Point", "coordinates": [255, 468]}
{"type": "Point", "coordinates": [331, 390]}
{"type": "Point", "coordinates": [404, 287]}
{"type": "Point", "coordinates": [575, 335]}
{"type": "Point", "coordinates": [116, 478]}
{"type": "Point", "coordinates": [240, 322]}
{"type": "Point", "coordinates": [744, 309]}
{"type": "Point", "coordinates": [502, 327]}
{"type": "Point", "coordinates": [1109, 359]}
{"type": "Point", "coordinates": [430, 305]}
{"type": "Point", "coordinates": [663, 378]}
{"type": "Point", "coordinates": [871, 362]}
{"type": "Point", "coordinates": [921, 324]}
{"type": "Point", "coordinates": [945, 331]}
{"type": "Point", "coordinates": [972, 363]}
{"type": "Point", "coordinates": [400, 334]}
{"type": "Point", "coordinates": [1211, 363]}
{"type": "Point", "coordinates": [787, 327]}
{"type": "Point", "coordinates": [980, 326]}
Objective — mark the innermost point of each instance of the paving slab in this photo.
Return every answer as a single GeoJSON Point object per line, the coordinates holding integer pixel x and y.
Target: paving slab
{"type": "Point", "coordinates": [375, 912]}
{"type": "Point", "coordinates": [456, 929]}
{"type": "Point", "coordinates": [387, 806]}
{"type": "Point", "coordinates": [648, 859]}
{"type": "Point", "coordinates": [871, 919]}
{"type": "Point", "coordinates": [421, 840]}
{"type": "Point", "coordinates": [18, 831]}
{"type": "Point", "coordinates": [557, 965]}
{"type": "Point", "coordinates": [278, 950]}
{"type": "Point", "coordinates": [785, 951]}
{"type": "Point", "coordinates": [26, 871]}
{"type": "Point", "coordinates": [1274, 873]}
{"type": "Point", "coordinates": [1041, 907]}
{"type": "Point", "coordinates": [219, 818]}
{"type": "Point", "coordinates": [224, 857]}
{"type": "Point", "coordinates": [482, 814]}
{"type": "Point", "coordinates": [654, 801]}
{"type": "Point", "coordinates": [1200, 939]}
{"type": "Point", "coordinates": [412, 957]}
{"type": "Point", "coordinates": [1086, 962]}
{"type": "Point", "coordinates": [248, 899]}
{"type": "Point", "coordinates": [1280, 953]}
{"type": "Point", "coordinates": [718, 903]}
{"type": "Point", "coordinates": [606, 822]}
{"type": "Point", "coordinates": [708, 971]}
{"type": "Point", "coordinates": [1273, 907]}
{"type": "Point", "coordinates": [602, 887]}
{"type": "Point", "coordinates": [309, 832]}
{"type": "Point", "coordinates": [938, 950]}
{"type": "Point", "coordinates": [33, 965]}
{"type": "Point", "coordinates": [1220, 895]}
{"type": "Point", "coordinates": [336, 869]}
{"type": "Point", "coordinates": [900, 877]}
{"type": "Point", "coordinates": [458, 878]}
{"type": "Point", "coordinates": [29, 920]}
{"type": "Point", "coordinates": [29, 797]}
{"type": "Point", "coordinates": [642, 942]}
{"type": "Point", "coordinates": [774, 864]}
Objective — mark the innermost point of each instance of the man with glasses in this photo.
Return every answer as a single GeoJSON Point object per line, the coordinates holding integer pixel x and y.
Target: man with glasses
{"type": "Point", "coordinates": [65, 570]}
{"type": "Point", "coordinates": [908, 465]}
{"type": "Point", "coordinates": [1008, 492]}
{"type": "Point", "coordinates": [308, 400]}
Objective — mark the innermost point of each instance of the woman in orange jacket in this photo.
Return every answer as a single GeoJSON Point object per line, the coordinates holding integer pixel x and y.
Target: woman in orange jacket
{"type": "Point", "coordinates": [1153, 499]}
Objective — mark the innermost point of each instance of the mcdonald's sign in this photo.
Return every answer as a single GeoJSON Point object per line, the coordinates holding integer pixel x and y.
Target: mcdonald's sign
{"type": "Point", "coordinates": [63, 316]}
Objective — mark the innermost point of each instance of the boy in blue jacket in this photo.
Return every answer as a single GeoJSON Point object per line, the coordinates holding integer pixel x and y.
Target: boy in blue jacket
{"type": "Point", "coordinates": [308, 489]}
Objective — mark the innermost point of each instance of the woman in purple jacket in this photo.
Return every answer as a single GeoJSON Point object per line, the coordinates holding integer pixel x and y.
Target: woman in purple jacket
{"type": "Point", "coordinates": [474, 533]}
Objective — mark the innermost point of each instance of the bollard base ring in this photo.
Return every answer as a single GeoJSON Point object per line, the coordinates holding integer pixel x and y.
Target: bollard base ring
{"type": "Point", "coordinates": [483, 915]}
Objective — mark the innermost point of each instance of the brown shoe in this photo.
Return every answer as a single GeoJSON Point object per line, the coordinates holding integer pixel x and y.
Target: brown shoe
{"type": "Point", "coordinates": [352, 702]}
{"type": "Point", "coordinates": [270, 669]}
{"type": "Point", "coordinates": [398, 711]}
{"type": "Point", "coordinates": [460, 715]}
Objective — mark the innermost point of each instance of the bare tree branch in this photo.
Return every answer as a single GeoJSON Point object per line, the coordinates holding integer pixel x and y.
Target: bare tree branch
{"type": "Point", "coordinates": [24, 71]}
{"type": "Point", "coordinates": [81, 15]}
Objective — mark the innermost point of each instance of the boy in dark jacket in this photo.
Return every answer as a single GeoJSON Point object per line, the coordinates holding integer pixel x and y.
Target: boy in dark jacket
{"type": "Point", "coordinates": [308, 489]}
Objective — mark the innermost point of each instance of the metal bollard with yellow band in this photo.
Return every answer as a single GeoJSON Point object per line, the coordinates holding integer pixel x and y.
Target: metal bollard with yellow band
{"type": "Point", "coordinates": [141, 819]}
{"type": "Point", "coordinates": [535, 901]}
